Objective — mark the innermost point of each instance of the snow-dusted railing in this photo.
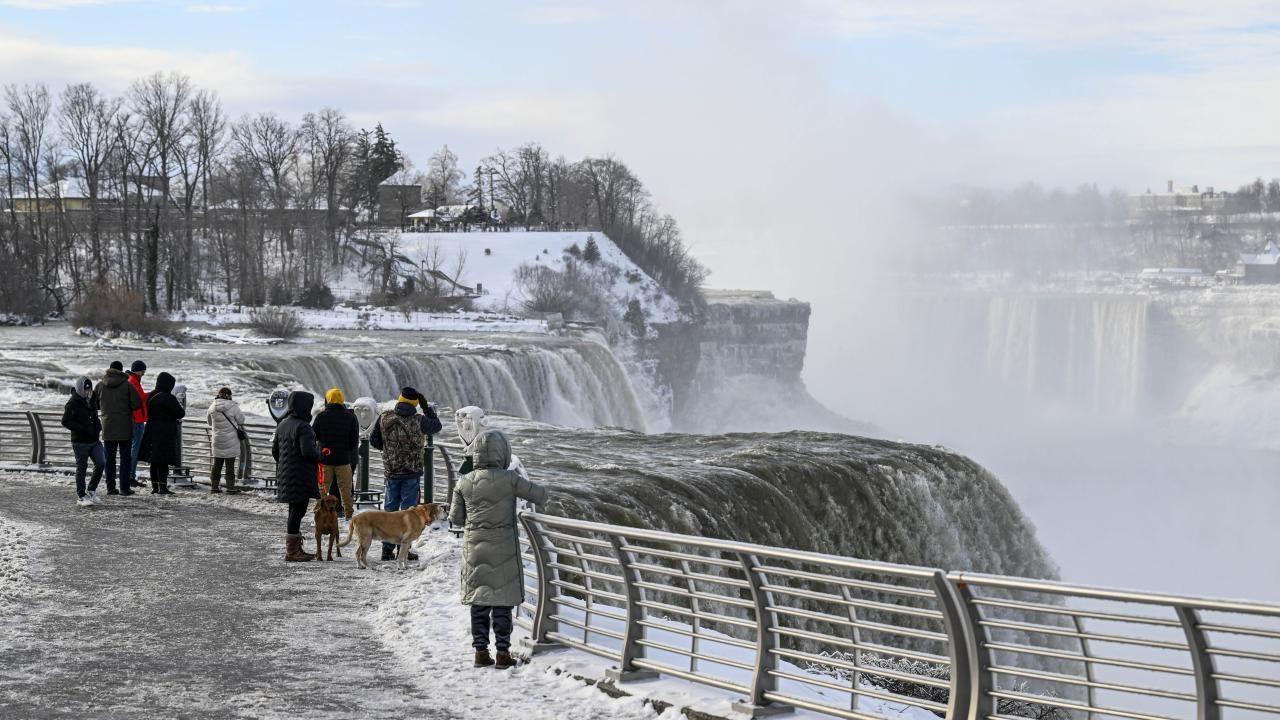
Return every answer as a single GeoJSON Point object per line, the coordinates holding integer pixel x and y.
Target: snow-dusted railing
{"type": "Point", "coordinates": [38, 438]}
{"type": "Point", "coordinates": [859, 639]}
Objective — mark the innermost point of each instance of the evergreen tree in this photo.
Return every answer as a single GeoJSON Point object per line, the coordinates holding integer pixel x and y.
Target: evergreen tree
{"type": "Point", "coordinates": [591, 253]}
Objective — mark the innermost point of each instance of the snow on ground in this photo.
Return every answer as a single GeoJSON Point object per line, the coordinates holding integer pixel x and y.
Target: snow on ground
{"type": "Point", "coordinates": [350, 318]}
{"type": "Point", "coordinates": [496, 271]}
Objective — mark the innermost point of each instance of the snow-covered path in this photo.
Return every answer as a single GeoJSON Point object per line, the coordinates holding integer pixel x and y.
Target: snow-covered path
{"type": "Point", "coordinates": [151, 607]}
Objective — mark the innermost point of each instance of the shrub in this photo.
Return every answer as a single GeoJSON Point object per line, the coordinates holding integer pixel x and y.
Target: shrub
{"type": "Point", "coordinates": [591, 253]}
{"type": "Point", "coordinates": [634, 318]}
{"type": "Point", "coordinates": [278, 293]}
{"type": "Point", "coordinates": [118, 310]}
{"type": "Point", "coordinates": [487, 251]}
{"type": "Point", "coordinates": [634, 277]}
{"type": "Point", "coordinates": [574, 251]}
{"type": "Point", "coordinates": [276, 322]}
{"type": "Point", "coordinates": [317, 295]}
{"type": "Point", "coordinates": [547, 290]}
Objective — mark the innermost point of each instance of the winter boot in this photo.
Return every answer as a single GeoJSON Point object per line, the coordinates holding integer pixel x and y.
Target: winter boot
{"type": "Point", "coordinates": [213, 486]}
{"type": "Point", "coordinates": [155, 488]}
{"type": "Point", "coordinates": [293, 551]}
{"type": "Point", "coordinates": [483, 659]}
{"type": "Point", "coordinates": [505, 660]}
{"type": "Point", "coordinates": [124, 489]}
{"type": "Point", "coordinates": [164, 489]}
{"type": "Point", "coordinates": [388, 553]}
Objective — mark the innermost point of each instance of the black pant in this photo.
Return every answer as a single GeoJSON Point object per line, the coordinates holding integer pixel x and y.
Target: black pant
{"type": "Point", "coordinates": [159, 474]}
{"type": "Point", "coordinates": [296, 511]}
{"type": "Point", "coordinates": [84, 453]}
{"type": "Point", "coordinates": [218, 465]}
{"type": "Point", "coordinates": [125, 450]}
{"type": "Point", "coordinates": [480, 627]}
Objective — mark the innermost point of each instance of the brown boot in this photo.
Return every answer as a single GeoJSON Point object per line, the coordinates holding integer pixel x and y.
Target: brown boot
{"type": "Point", "coordinates": [483, 659]}
{"type": "Point", "coordinates": [293, 551]}
{"type": "Point", "coordinates": [505, 660]}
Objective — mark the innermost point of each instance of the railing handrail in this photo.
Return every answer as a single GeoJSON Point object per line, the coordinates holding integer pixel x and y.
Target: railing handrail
{"type": "Point", "coordinates": [1097, 592]}
{"type": "Point", "coordinates": [732, 546]}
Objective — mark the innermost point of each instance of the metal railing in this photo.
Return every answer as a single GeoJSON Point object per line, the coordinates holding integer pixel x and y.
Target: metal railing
{"type": "Point", "coordinates": [861, 639]}
{"type": "Point", "coordinates": [37, 438]}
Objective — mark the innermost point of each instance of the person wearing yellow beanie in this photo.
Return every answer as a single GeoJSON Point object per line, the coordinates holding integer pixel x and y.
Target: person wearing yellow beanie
{"type": "Point", "coordinates": [338, 433]}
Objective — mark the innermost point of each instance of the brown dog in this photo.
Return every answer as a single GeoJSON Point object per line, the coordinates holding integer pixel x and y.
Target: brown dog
{"type": "Point", "coordinates": [401, 527]}
{"type": "Point", "coordinates": [326, 519]}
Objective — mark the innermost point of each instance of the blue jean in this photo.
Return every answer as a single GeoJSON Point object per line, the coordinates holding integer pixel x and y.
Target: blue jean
{"type": "Point", "coordinates": [138, 429]}
{"type": "Point", "coordinates": [400, 493]}
{"type": "Point", "coordinates": [84, 453]}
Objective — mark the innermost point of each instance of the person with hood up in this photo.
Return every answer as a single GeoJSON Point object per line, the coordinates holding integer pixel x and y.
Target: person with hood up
{"type": "Point", "coordinates": [117, 400]}
{"type": "Point", "coordinates": [484, 505]}
{"type": "Point", "coordinates": [226, 427]}
{"type": "Point", "coordinates": [81, 418]}
{"type": "Point", "coordinates": [136, 371]}
{"type": "Point", "coordinates": [160, 440]}
{"type": "Point", "coordinates": [297, 456]}
{"type": "Point", "coordinates": [400, 434]}
{"type": "Point", "coordinates": [338, 432]}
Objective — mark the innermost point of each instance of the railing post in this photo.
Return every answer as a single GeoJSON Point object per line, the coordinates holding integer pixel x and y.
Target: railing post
{"type": "Point", "coordinates": [981, 704]}
{"type": "Point", "coordinates": [543, 624]}
{"type": "Point", "coordinates": [1090, 691]}
{"type": "Point", "coordinates": [1201, 664]}
{"type": "Point", "coordinates": [37, 438]}
{"type": "Point", "coordinates": [960, 648]}
{"type": "Point", "coordinates": [762, 682]}
{"type": "Point", "coordinates": [364, 465]}
{"type": "Point", "coordinates": [246, 460]}
{"type": "Point", "coordinates": [429, 471]}
{"type": "Point", "coordinates": [634, 631]}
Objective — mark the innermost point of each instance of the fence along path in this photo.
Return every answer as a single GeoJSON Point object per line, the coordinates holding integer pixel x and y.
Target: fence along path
{"type": "Point", "coordinates": [843, 637]}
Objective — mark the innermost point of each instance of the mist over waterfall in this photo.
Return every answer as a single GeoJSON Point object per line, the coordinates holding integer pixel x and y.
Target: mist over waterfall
{"type": "Point", "coordinates": [577, 384]}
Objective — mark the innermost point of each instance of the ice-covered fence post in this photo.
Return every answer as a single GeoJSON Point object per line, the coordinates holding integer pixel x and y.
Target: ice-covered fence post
{"type": "Point", "coordinates": [981, 704]}
{"type": "Point", "coordinates": [429, 471]}
{"type": "Point", "coordinates": [543, 624]}
{"type": "Point", "coordinates": [960, 650]}
{"type": "Point", "coordinates": [762, 680]}
{"type": "Point", "coordinates": [1201, 663]}
{"type": "Point", "coordinates": [37, 438]}
{"type": "Point", "coordinates": [634, 631]}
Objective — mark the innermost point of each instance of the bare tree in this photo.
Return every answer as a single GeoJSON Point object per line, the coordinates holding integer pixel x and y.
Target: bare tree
{"type": "Point", "coordinates": [88, 127]}
{"type": "Point", "coordinates": [160, 102]}
{"type": "Point", "coordinates": [330, 143]}
{"type": "Point", "coordinates": [442, 178]}
{"type": "Point", "coordinates": [272, 146]}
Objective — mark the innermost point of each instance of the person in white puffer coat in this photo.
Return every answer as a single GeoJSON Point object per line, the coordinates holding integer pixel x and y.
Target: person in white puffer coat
{"type": "Point", "coordinates": [226, 423]}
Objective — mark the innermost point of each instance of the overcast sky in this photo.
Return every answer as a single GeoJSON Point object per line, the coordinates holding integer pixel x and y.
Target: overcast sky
{"type": "Point", "coordinates": [729, 110]}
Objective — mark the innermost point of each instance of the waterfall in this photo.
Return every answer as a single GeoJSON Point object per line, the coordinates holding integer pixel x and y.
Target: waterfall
{"type": "Point", "coordinates": [1088, 352]}
{"type": "Point", "coordinates": [571, 384]}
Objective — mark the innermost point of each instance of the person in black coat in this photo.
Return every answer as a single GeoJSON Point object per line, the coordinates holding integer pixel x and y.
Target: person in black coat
{"type": "Point", "coordinates": [80, 416]}
{"type": "Point", "coordinates": [160, 439]}
{"type": "Point", "coordinates": [298, 457]}
{"type": "Point", "coordinates": [338, 432]}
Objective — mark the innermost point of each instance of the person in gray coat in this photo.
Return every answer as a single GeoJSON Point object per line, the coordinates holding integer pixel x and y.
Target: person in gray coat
{"type": "Point", "coordinates": [484, 505]}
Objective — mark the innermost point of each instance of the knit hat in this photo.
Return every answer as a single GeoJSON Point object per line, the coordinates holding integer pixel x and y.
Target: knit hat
{"type": "Point", "coordinates": [410, 395]}
{"type": "Point", "coordinates": [116, 365]}
{"type": "Point", "coordinates": [335, 397]}
{"type": "Point", "coordinates": [138, 367]}
{"type": "Point", "coordinates": [224, 393]}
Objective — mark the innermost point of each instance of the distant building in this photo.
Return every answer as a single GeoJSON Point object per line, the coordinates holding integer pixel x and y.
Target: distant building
{"type": "Point", "coordinates": [1172, 276]}
{"type": "Point", "coordinates": [1189, 200]}
{"type": "Point", "coordinates": [397, 202]}
{"type": "Point", "coordinates": [70, 193]}
{"type": "Point", "coordinates": [1263, 267]}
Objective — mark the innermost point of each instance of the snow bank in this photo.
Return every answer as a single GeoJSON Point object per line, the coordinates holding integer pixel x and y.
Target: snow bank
{"type": "Point", "coordinates": [363, 318]}
{"type": "Point", "coordinates": [491, 260]}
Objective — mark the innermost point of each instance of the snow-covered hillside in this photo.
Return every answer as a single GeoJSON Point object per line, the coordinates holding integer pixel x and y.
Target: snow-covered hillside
{"type": "Point", "coordinates": [491, 261]}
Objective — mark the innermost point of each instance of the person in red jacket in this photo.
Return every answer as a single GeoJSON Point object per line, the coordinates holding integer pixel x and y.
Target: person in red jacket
{"type": "Point", "coordinates": [136, 371]}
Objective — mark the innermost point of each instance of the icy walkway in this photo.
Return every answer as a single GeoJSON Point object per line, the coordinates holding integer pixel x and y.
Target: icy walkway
{"type": "Point", "coordinates": [181, 607]}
